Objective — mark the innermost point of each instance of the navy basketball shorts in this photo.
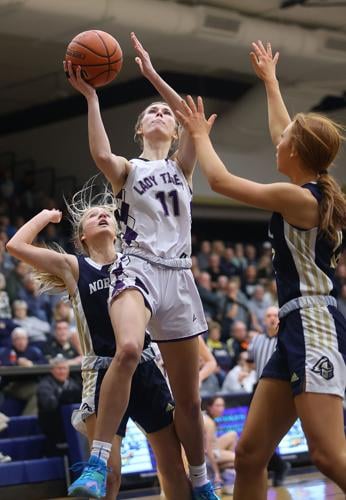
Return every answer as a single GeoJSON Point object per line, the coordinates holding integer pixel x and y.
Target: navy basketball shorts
{"type": "Point", "coordinates": [311, 351]}
{"type": "Point", "coordinates": [151, 404]}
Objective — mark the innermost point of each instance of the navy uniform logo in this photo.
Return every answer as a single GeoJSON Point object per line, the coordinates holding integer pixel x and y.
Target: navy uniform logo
{"type": "Point", "coordinates": [324, 367]}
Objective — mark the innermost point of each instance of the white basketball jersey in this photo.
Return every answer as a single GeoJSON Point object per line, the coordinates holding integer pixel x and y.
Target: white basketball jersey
{"type": "Point", "coordinates": [155, 210]}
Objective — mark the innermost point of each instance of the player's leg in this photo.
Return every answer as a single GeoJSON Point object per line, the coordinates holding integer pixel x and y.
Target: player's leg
{"type": "Point", "coordinates": [323, 424]}
{"type": "Point", "coordinates": [114, 461]}
{"type": "Point", "coordinates": [173, 477]}
{"type": "Point", "coordinates": [227, 441]}
{"type": "Point", "coordinates": [129, 318]}
{"type": "Point", "coordinates": [271, 414]}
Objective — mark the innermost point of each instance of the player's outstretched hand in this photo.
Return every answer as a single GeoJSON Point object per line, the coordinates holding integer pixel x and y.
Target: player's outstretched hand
{"type": "Point", "coordinates": [143, 58]}
{"type": "Point", "coordinates": [76, 80]}
{"type": "Point", "coordinates": [54, 216]}
{"type": "Point", "coordinates": [263, 61]}
{"type": "Point", "coordinates": [193, 118]}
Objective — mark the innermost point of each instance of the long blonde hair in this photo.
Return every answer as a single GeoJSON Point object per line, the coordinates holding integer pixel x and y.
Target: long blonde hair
{"type": "Point", "coordinates": [89, 196]}
{"type": "Point", "coordinates": [317, 140]}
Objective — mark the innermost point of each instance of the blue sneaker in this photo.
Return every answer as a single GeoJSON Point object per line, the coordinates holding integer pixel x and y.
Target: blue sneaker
{"type": "Point", "coordinates": [92, 482]}
{"type": "Point", "coordinates": [205, 492]}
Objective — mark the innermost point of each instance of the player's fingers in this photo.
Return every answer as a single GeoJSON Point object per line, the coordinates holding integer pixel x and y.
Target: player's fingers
{"type": "Point", "coordinates": [261, 47]}
{"type": "Point", "coordinates": [200, 105]}
{"type": "Point", "coordinates": [269, 50]}
{"type": "Point", "coordinates": [191, 104]}
{"type": "Point", "coordinates": [186, 108]}
{"type": "Point", "coordinates": [276, 57]}
{"type": "Point", "coordinates": [211, 119]}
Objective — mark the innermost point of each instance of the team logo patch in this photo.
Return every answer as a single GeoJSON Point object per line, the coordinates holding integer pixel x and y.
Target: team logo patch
{"type": "Point", "coordinates": [324, 367]}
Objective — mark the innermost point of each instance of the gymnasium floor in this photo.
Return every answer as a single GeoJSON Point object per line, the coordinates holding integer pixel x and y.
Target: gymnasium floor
{"type": "Point", "coordinates": [311, 486]}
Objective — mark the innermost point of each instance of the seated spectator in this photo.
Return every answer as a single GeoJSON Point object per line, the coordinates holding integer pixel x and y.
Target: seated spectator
{"type": "Point", "coordinates": [60, 344]}
{"type": "Point", "coordinates": [54, 391]}
{"type": "Point", "coordinates": [241, 378]}
{"type": "Point", "coordinates": [234, 308]}
{"type": "Point", "coordinates": [7, 325]}
{"type": "Point", "coordinates": [219, 350]}
{"type": "Point", "coordinates": [214, 269]}
{"type": "Point", "coordinates": [203, 255]}
{"type": "Point", "coordinates": [258, 304]}
{"type": "Point", "coordinates": [229, 264]}
{"type": "Point", "coordinates": [250, 253]}
{"type": "Point", "coordinates": [38, 330]}
{"type": "Point", "coordinates": [342, 300]}
{"type": "Point", "coordinates": [219, 448]}
{"type": "Point", "coordinates": [250, 281]}
{"type": "Point", "coordinates": [239, 258]}
{"type": "Point", "coordinates": [22, 354]}
{"type": "Point", "coordinates": [6, 261]}
{"type": "Point", "coordinates": [5, 308]}
{"type": "Point", "coordinates": [239, 339]}
{"type": "Point", "coordinates": [14, 280]}
{"type": "Point", "coordinates": [265, 268]}
{"type": "Point", "coordinates": [63, 311]}
{"type": "Point", "coordinates": [210, 300]}
{"type": "Point", "coordinates": [39, 305]}
{"type": "Point", "coordinates": [271, 292]}
{"type": "Point", "coordinates": [208, 382]}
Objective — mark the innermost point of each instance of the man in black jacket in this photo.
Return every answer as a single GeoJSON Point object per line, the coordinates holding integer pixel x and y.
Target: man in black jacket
{"type": "Point", "coordinates": [54, 391]}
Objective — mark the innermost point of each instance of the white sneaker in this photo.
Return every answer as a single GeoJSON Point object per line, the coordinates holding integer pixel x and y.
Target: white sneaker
{"type": "Point", "coordinates": [4, 459]}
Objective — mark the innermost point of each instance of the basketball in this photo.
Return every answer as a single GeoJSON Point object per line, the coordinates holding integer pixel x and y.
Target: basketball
{"type": "Point", "coordinates": [99, 55]}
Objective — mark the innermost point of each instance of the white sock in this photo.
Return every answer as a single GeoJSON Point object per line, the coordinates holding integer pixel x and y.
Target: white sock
{"type": "Point", "coordinates": [101, 449]}
{"type": "Point", "coordinates": [198, 475]}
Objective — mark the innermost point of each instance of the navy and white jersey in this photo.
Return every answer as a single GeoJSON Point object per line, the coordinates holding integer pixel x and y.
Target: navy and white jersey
{"type": "Point", "coordinates": [90, 306]}
{"type": "Point", "coordinates": [304, 261]}
{"type": "Point", "coordinates": [155, 211]}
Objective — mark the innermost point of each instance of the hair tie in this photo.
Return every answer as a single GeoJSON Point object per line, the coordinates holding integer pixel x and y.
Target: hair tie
{"type": "Point", "coordinates": [323, 172]}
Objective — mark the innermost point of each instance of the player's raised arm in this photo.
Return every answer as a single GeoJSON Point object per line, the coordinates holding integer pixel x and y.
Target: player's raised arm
{"type": "Point", "coordinates": [58, 264]}
{"type": "Point", "coordinates": [264, 65]}
{"type": "Point", "coordinates": [114, 167]}
{"type": "Point", "coordinates": [186, 155]}
{"type": "Point", "coordinates": [280, 197]}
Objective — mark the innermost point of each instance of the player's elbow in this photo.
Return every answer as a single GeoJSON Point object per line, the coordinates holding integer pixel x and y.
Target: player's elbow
{"type": "Point", "coordinates": [11, 247]}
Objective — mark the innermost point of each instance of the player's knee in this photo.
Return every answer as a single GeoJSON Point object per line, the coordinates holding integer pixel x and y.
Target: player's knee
{"type": "Point", "coordinates": [128, 354]}
{"type": "Point", "coordinates": [324, 462]}
{"type": "Point", "coordinates": [190, 406]}
{"type": "Point", "coordinates": [247, 459]}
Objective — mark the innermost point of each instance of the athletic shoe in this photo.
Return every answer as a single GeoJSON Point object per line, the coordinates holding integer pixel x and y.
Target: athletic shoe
{"type": "Point", "coordinates": [92, 482]}
{"type": "Point", "coordinates": [205, 492]}
{"type": "Point", "coordinates": [4, 459]}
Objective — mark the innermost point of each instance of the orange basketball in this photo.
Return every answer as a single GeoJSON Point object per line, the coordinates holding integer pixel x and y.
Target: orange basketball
{"type": "Point", "coordinates": [99, 55]}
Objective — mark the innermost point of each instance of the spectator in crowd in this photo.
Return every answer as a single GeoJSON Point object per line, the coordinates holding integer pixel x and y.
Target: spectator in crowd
{"type": "Point", "coordinates": [271, 292]}
{"type": "Point", "coordinates": [5, 308]}
{"type": "Point", "coordinates": [342, 300]}
{"type": "Point", "coordinates": [264, 268]}
{"type": "Point", "coordinates": [250, 253]}
{"type": "Point", "coordinates": [25, 355]}
{"type": "Point", "coordinates": [7, 325]}
{"type": "Point", "coordinates": [219, 350]}
{"type": "Point", "coordinates": [250, 280]}
{"type": "Point", "coordinates": [54, 391]}
{"type": "Point", "coordinates": [239, 339]}
{"type": "Point", "coordinates": [38, 330]}
{"type": "Point", "coordinates": [242, 377]}
{"type": "Point", "coordinates": [6, 262]}
{"type": "Point", "coordinates": [229, 264]}
{"type": "Point", "coordinates": [61, 344]}
{"type": "Point", "coordinates": [39, 305]}
{"type": "Point", "coordinates": [208, 381]}
{"type": "Point", "coordinates": [260, 350]}
{"type": "Point", "coordinates": [210, 300]}
{"type": "Point", "coordinates": [14, 281]}
{"type": "Point", "coordinates": [239, 258]}
{"type": "Point", "coordinates": [218, 247]}
{"type": "Point", "coordinates": [258, 305]}
{"type": "Point", "coordinates": [214, 269]}
{"type": "Point", "coordinates": [219, 448]}
{"type": "Point", "coordinates": [234, 308]}
{"type": "Point", "coordinates": [203, 255]}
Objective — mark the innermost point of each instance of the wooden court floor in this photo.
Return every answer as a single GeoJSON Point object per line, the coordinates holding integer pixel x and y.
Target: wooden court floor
{"type": "Point", "coordinates": [311, 486]}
